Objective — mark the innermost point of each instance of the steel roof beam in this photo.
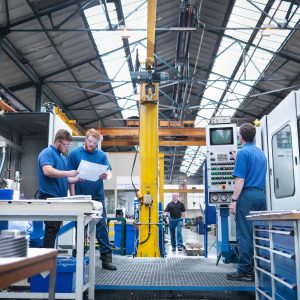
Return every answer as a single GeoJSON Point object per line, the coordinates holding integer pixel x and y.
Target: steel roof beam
{"type": "Point", "coordinates": [21, 86]}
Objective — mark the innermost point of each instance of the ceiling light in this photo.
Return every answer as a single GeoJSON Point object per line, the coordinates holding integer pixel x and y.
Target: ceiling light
{"type": "Point", "coordinates": [124, 32]}
{"type": "Point", "coordinates": [266, 30]}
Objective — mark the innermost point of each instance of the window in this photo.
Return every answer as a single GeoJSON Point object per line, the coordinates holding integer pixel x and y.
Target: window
{"type": "Point", "coordinates": [284, 181]}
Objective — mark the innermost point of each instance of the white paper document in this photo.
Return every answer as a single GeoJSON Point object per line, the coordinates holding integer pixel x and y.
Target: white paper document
{"type": "Point", "coordinates": [91, 171]}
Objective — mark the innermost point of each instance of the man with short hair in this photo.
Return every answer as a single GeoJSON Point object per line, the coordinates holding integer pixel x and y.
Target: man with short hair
{"type": "Point", "coordinates": [53, 178]}
{"type": "Point", "coordinates": [176, 210]}
{"type": "Point", "coordinates": [249, 195]}
{"type": "Point", "coordinates": [90, 152]}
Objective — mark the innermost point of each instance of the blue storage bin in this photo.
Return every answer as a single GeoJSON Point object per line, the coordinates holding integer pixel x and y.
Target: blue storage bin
{"type": "Point", "coordinates": [200, 228]}
{"type": "Point", "coordinates": [6, 194]}
{"type": "Point", "coordinates": [129, 242]}
{"type": "Point", "coordinates": [65, 277]}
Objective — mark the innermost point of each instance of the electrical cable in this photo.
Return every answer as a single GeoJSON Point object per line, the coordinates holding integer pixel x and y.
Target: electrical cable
{"type": "Point", "coordinates": [131, 175]}
{"type": "Point", "coordinates": [3, 159]}
{"type": "Point", "coordinates": [149, 227]}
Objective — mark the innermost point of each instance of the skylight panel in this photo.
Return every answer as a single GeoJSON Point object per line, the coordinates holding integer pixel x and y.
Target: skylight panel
{"type": "Point", "coordinates": [115, 62]}
{"type": "Point", "coordinates": [255, 61]}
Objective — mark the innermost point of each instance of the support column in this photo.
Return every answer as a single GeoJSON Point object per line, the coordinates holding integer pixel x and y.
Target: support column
{"type": "Point", "coordinates": [148, 233]}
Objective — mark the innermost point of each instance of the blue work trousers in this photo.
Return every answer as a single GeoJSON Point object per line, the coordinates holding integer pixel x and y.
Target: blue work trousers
{"type": "Point", "coordinates": [176, 224]}
{"type": "Point", "coordinates": [250, 199]}
{"type": "Point", "coordinates": [102, 233]}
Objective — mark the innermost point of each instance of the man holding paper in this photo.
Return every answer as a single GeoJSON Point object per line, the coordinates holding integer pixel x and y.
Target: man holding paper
{"type": "Point", "coordinates": [93, 167]}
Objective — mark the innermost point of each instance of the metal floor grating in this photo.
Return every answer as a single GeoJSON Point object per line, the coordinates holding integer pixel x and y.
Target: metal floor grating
{"type": "Point", "coordinates": [171, 273]}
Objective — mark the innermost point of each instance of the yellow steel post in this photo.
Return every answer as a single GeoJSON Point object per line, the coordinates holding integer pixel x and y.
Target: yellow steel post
{"type": "Point", "coordinates": [151, 33]}
{"type": "Point", "coordinates": [149, 233]}
{"type": "Point", "coordinates": [161, 177]}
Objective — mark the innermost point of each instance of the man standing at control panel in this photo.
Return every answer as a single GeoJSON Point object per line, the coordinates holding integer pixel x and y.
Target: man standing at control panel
{"type": "Point", "coordinates": [249, 195]}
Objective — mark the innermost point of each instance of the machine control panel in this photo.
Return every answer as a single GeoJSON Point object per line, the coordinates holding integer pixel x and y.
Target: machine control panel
{"type": "Point", "coordinates": [221, 142]}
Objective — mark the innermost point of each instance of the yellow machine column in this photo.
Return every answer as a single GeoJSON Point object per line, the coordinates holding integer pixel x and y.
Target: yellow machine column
{"type": "Point", "coordinates": [148, 232]}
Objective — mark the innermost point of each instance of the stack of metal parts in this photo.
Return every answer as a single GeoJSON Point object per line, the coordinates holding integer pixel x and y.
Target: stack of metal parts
{"type": "Point", "coordinates": [13, 243]}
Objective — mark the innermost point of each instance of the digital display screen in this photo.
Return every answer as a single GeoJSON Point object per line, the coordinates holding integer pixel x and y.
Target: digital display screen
{"type": "Point", "coordinates": [221, 136]}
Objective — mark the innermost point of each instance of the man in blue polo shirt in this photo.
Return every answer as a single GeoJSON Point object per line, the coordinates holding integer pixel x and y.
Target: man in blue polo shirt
{"type": "Point", "coordinates": [90, 152]}
{"type": "Point", "coordinates": [53, 177]}
{"type": "Point", "coordinates": [249, 195]}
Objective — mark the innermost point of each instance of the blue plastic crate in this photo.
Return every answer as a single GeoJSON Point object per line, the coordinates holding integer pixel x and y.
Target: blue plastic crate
{"type": "Point", "coordinates": [6, 194]}
{"type": "Point", "coordinates": [129, 237]}
{"type": "Point", "coordinates": [65, 277]}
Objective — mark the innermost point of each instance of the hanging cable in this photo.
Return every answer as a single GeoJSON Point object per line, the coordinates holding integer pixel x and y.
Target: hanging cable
{"type": "Point", "coordinates": [149, 227]}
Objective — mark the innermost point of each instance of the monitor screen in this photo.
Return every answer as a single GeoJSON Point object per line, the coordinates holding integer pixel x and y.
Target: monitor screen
{"type": "Point", "coordinates": [221, 136]}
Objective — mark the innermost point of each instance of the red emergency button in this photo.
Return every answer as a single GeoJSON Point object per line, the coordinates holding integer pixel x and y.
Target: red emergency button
{"type": "Point", "coordinates": [223, 186]}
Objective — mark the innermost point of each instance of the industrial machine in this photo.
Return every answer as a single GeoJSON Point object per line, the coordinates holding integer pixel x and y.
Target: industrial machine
{"type": "Point", "coordinates": [22, 137]}
{"type": "Point", "coordinates": [221, 141]}
{"type": "Point", "coordinates": [280, 135]}
{"type": "Point", "coordinates": [276, 231]}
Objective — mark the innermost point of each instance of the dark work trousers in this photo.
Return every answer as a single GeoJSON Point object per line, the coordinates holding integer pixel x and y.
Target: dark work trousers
{"type": "Point", "coordinates": [250, 199]}
{"type": "Point", "coordinates": [102, 232]}
{"type": "Point", "coordinates": [51, 228]}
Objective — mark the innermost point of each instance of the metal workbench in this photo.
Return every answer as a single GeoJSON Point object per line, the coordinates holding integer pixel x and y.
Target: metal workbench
{"type": "Point", "coordinates": [82, 211]}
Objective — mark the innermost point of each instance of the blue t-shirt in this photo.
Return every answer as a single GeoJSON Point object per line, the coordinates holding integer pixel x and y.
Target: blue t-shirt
{"type": "Point", "coordinates": [251, 165]}
{"type": "Point", "coordinates": [56, 187]}
{"type": "Point", "coordinates": [87, 187]}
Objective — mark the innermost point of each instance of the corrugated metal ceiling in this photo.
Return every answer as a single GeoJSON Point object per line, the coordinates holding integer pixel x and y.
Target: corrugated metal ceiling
{"type": "Point", "coordinates": [47, 45]}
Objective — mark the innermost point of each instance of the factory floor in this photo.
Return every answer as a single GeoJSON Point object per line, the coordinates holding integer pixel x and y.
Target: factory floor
{"type": "Point", "coordinates": [177, 276]}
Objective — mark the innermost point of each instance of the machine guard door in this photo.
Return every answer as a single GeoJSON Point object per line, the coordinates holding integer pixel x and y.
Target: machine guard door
{"type": "Point", "coordinates": [284, 154]}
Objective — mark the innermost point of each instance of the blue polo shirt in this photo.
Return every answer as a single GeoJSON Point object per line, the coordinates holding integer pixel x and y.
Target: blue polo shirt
{"type": "Point", "coordinates": [56, 187]}
{"type": "Point", "coordinates": [87, 187]}
{"type": "Point", "coordinates": [251, 165]}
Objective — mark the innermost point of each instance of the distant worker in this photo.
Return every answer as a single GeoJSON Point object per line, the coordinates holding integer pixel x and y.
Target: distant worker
{"type": "Point", "coordinates": [90, 152]}
{"type": "Point", "coordinates": [53, 178]}
{"type": "Point", "coordinates": [249, 195]}
{"type": "Point", "coordinates": [176, 212]}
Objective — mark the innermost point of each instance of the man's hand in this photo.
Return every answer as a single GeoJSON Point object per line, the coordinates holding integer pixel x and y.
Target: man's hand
{"type": "Point", "coordinates": [73, 180]}
{"type": "Point", "coordinates": [232, 207]}
{"type": "Point", "coordinates": [103, 176]}
{"type": "Point", "coordinates": [72, 173]}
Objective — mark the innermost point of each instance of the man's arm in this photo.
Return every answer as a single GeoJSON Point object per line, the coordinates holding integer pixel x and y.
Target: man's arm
{"type": "Point", "coordinates": [238, 186]}
{"type": "Point", "coordinates": [72, 189]}
{"type": "Point", "coordinates": [49, 171]}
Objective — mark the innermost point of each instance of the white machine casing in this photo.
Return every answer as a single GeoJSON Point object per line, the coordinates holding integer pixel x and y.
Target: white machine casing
{"type": "Point", "coordinates": [280, 136]}
{"type": "Point", "coordinates": [220, 163]}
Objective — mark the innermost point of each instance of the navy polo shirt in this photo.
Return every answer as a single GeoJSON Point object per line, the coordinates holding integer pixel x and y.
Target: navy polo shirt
{"type": "Point", "coordinates": [251, 165]}
{"type": "Point", "coordinates": [87, 187]}
{"type": "Point", "coordinates": [56, 187]}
